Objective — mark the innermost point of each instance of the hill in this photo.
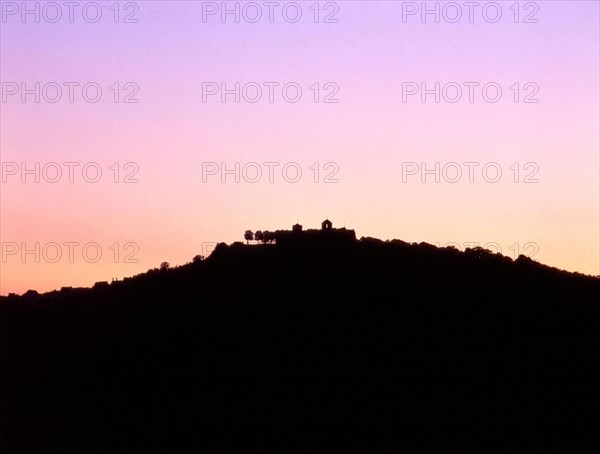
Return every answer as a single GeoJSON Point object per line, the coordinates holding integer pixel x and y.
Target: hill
{"type": "Point", "coordinates": [296, 337]}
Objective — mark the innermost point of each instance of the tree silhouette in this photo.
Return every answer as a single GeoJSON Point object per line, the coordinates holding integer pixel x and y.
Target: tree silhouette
{"type": "Point", "coordinates": [258, 235]}
{"type": "Point", "coordinates": [164, 266]}
{"type": "Point", "coordinates": [248, 236]}
{"type": "Point", "coordinates": [268, 237]}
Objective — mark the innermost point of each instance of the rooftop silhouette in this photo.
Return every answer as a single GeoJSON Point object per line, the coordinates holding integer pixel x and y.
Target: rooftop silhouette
{"type": "Point", "coordinates": [297, 236]}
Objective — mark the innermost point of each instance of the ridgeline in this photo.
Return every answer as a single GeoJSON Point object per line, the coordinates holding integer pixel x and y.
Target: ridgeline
{"type": "Point", "coordinates": [313, 332]}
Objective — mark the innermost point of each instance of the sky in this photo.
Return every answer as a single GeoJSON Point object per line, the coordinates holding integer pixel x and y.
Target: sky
{"type": "Point", "coordinates": [134, 133]}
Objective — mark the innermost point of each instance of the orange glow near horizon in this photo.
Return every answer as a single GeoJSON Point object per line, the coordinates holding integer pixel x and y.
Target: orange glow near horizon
{"type": "Point", "coordinates": [153, 205]}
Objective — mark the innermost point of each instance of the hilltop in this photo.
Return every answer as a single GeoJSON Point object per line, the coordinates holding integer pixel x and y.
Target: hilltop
{"type": "Point", "coordinates": [301, 334]}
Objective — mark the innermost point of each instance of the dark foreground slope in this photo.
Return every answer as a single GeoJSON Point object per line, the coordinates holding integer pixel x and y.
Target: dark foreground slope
{"type": "Point", "coordinates": [385, 336]}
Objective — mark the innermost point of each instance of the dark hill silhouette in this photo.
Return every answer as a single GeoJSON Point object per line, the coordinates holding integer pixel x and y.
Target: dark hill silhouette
{"type": "Point", "coordinates": [298, 336]}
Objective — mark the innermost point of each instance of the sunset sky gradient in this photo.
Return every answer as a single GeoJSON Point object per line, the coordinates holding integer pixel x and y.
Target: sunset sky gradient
{"type": "Point", "coordinates": [369, 133]}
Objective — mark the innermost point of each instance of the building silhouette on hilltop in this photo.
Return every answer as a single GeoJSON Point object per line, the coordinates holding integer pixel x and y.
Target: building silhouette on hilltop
{"type": "Point", "coordinates": [325, 236]}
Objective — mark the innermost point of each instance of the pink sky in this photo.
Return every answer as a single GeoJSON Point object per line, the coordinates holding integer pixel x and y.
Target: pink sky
{"type": "Point", "coordinates": [368, 134]}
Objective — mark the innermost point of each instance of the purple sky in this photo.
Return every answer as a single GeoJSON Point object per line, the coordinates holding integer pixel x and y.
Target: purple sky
{"type": "Point", "coordinates": [370, 135]}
